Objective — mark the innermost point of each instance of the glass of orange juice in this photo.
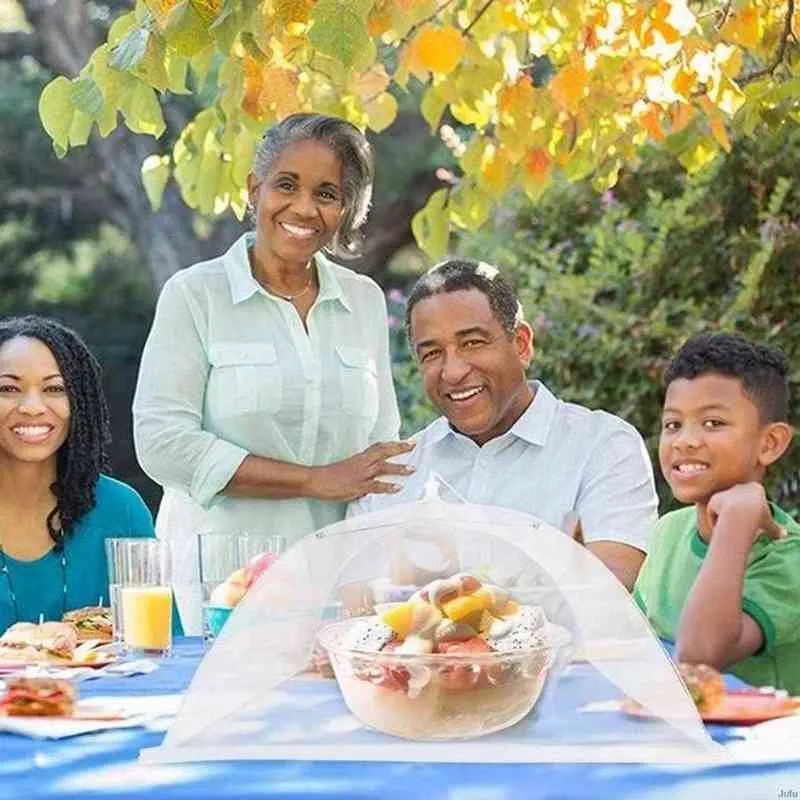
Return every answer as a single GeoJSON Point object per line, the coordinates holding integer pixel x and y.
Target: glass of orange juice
{"type": "Point", "coordinates": [145, 596]}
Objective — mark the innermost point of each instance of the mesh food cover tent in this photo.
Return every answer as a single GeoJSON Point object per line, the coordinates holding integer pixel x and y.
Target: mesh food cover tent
{"type": "Point", "coordinates": [251, 696]}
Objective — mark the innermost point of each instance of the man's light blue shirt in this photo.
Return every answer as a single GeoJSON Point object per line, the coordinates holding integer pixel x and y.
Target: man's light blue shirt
{"type": "Point", "coordinates": [557, 458]}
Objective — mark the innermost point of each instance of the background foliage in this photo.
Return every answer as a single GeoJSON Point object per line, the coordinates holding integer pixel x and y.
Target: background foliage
{"type": "Point", "coordinates": [614, 283]}
{"type": "Point", "coordinates": [539, 88]}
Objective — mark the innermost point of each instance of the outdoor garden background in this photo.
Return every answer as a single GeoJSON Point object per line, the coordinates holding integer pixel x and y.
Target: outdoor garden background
{"type": "Point", "coordinates": [692, 224]}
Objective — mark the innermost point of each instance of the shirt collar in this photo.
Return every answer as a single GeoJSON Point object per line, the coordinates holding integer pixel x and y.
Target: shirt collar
{"type": "Point", "coordinates": [243, 285]}
{"type": "Point", "coordinates": [533, 426]}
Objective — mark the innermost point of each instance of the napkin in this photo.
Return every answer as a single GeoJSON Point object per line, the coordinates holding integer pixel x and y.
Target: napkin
{"type": "Point", "coordinates": [65, 727]}
{"type": "Point", "coordinates": [116, 670]}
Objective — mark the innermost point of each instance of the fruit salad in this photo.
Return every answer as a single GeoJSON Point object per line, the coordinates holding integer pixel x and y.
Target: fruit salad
{"type": "Point", "coordinates": [460, 658]}
{"type": "Point", "coordinates": [228, 594]}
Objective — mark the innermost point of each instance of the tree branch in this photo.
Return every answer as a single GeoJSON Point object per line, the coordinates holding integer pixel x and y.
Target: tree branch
{"type": "Point", "coordinates": [63, 32]}
{"type": "Point", "coordinates": [16, 45]}
{"type": "Point", "coordinates": [417, 25]}
{"type": "Point", "coordinates": [779, 55]}
{"type": "Point", "coordinates": [477, 18]}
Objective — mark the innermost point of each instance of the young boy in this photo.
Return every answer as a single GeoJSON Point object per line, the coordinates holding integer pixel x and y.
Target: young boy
{"type": "Point", "coordinates": [722, 578]}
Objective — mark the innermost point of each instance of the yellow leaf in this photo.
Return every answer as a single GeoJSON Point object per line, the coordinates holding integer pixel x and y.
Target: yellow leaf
{"type": "Point", "coordinates": [161, 9]}
{"type": "Point", "coordinates": [207, 10]}
{"type": "Point", "coordinates": [294, 15]}
{"type": "Point", "coordinates": [516, 95]}
{"type": "Point", "coordinates": [381, 112]}
{"type": "Point", "coordinates": [430, 225]}
{"type": "Point", "coordinates": [469, 206]}
{"type": "Point", "coordinates": [280, 91]}
{"type": "Point", "coordinates": [371, 83]}
{"type": "Point", "coordinates": [743, 28]}
{"type": "Point", "coordinates": [681, 115]}
{"type": "Point", "coordinates": [378, 22]}
{"type": "Point", "coordinates": [536, 173]}
{"type": "Point", "coordinates": [253, 70]}
{"type": "Point", "coordinates": [569, 86]}
{"type": "Point", "coordinates": [684, 83]}
{"type": "Point", "coordinates": [438, 49]}
{"type": "Point", "coordinates": [700, 153]}
{"type": "Point", "coordinates": [155, 173]}
{"type": "Point", "coordinates": [496, 170]}
{"type": "Point", "coordinates": [56, 110]}
{"type": "Point", "coordinates": [720, 134]}
{"type": "Point", "coordinates": [650, 120]}
{"type": "Point", "coordinates": [727, 96]}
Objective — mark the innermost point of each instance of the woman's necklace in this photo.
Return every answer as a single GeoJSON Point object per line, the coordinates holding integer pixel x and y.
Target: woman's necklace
{"type": "Point", "coordinates": [291, 297]}
{"type": "Point", "coordinates": [5, 571]}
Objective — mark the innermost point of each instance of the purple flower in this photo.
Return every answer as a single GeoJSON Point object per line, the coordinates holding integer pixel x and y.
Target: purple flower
{"type": "Point", "coordinates": [394, 322]}
{"type": "Point", "coordinates": [607, 198]}
{"type": "Point", "coordinates": [396, 296]}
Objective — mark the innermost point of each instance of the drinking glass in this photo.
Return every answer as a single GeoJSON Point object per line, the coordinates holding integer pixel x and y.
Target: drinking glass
{"type": "Point", "coordinates": [114, 557]}
{"type": "Point", "coordinates": [258, 550]}
{"type": "Point", "coordinates": [230, 563]}
{"type": "Point", "coordinates": [221, 579]}
{"type": "Point", "coordinates": [139, 573]}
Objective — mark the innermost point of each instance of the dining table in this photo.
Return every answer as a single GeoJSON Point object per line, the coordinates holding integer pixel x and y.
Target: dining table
{"type": "Point", "coordinates": [106, 764]}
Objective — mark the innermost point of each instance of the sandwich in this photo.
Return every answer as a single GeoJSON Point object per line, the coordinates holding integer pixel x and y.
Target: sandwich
{"type": "Point", "coordinates": [27, 643]}
{"type": "Point", "coordinates": [92, 622]}
{"type": "Point", "coordinates": [38, 697]}
{"type": "Point", "coordinates": [704, 683]}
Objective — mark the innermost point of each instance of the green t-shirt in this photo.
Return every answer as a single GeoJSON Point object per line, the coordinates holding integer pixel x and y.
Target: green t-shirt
{"type": "Point", "coordinates": [771, 592]}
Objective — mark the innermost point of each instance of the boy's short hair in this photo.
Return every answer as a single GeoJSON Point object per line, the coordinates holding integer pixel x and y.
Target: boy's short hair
{"type": "Point", "coordinates": [463, 274]}
{"type": "Point", "coordinates": [761, 369]}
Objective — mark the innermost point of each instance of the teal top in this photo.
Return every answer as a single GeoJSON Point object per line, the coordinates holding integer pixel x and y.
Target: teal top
{"type": "Point", "coordinates": [771, 592]}
{"type": "Point", "coordinates": [39, 585]}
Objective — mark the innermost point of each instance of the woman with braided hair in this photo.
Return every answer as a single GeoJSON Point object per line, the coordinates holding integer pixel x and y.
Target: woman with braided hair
{"type": "Point", "coordinates": [56, 505]}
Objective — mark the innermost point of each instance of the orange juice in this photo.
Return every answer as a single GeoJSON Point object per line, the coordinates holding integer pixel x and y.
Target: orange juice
{"type": "Point", "coordinates": [147, 617]}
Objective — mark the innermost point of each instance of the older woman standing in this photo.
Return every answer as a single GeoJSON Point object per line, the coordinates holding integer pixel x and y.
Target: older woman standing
{"type": "Point", "coordinates": [265, 398]}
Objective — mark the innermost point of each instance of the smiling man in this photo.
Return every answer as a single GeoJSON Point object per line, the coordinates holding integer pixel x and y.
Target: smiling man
{"type": "Point", "coordinates": [505, 441]}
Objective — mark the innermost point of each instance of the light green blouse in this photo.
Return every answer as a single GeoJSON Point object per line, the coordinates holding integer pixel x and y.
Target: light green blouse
{"type": "Point", "coordinates": [228, 369]}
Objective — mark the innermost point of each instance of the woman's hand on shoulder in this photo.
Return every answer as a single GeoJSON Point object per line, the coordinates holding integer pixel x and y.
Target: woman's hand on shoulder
{"type": "Point", "coordinates": [360, 474]}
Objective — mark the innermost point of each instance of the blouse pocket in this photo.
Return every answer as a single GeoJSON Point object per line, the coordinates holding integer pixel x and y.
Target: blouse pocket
{"type": "Point", "coordinates": [359, 375]}
{"type": "Point", "coordinates": [245, 377]}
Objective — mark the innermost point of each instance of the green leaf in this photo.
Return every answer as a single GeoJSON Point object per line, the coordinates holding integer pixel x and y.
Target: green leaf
{"type": "Point", "coordinates": [56, 112]}
{"type": "Point", "coordinates": [432, 107]}
{"type": "Point", "coordinates": [177, 67]}
{"type": "Point", "coordinates": [120, 27]}
{"type": "Point", "coordinates": [80, 129]}
{"type": "Point", "coordinates": [131, 49]}
{"type": "Point", "coordinates": [430, 225]}
{"type": "Point", "coordinates": [201, 63]}
{"type": "Point", "coordinates": [107, 121]}
{"type": "Point", "coordinates": [86, 96]}
{"type": "Point", "coordinates": [700, 153]}
{"type": "Point", "coordinates": [339, 29]}
{"type": "Point", "coordinates": [469, 206]}
{"type": "Point", "coordinates": [155, 174]}
{"type": "Point", "coordinates": [185, 29]}
{"type": "Point", "coordinates": [142, 111]}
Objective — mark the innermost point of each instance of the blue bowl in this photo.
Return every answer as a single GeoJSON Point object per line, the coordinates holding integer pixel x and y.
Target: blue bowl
{"type": "Point", "coordinates": [216, 617]}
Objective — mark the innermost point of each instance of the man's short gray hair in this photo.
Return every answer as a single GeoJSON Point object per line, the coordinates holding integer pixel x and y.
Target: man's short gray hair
{"type": "Point", "coordinates": [355, 154]}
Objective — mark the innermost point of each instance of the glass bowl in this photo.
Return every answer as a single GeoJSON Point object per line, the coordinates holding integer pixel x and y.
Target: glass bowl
{"type": "Point", "coordinates": [439, 695]}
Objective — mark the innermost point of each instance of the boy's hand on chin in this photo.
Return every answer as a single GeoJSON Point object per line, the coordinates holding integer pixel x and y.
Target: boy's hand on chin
{"type": "Point", "coordinates": [742, 510]}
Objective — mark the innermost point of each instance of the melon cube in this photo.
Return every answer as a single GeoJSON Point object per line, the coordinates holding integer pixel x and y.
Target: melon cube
{"type": "Point", "coordinates": [467, 609]}
{"type": "Point", "coordinates": [399, 618]}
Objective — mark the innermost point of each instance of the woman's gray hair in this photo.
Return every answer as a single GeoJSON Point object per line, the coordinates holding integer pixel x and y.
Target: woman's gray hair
{"type": "Point", "coordinates": [355, 154]}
